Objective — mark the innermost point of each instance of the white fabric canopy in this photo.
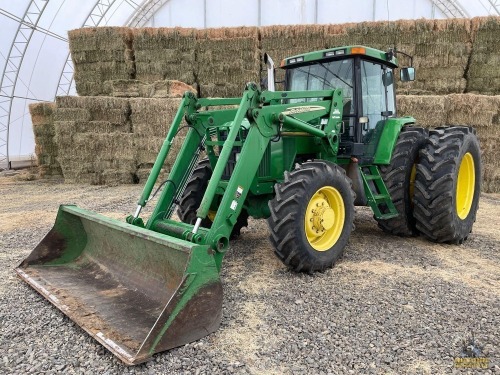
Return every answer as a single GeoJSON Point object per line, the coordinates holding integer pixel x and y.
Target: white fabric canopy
{"type": "Point", "coordinates": [34, 50]}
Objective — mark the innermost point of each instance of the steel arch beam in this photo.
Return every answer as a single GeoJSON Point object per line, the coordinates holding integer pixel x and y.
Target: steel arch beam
{"type": "Point", "coordinates": [495, 6]}
{"type": "Point", "coordinates": [451, 8]}
{"type": "Point", "coordinates": [93, 19]}
{"type": "Point", "coordinates": [10, 72]}
{"type": "Point", "coordinates": [144, 12]}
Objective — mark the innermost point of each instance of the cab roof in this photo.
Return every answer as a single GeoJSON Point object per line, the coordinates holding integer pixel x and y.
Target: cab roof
{"type": "Point", "coordinates": [339, 53]}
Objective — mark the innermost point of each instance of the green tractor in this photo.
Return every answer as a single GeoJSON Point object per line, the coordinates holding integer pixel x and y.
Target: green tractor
{"type": "Point", "coordinates": [301, 158]}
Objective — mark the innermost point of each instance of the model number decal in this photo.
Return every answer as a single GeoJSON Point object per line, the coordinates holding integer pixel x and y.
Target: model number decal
{"type": "Point", "coordinates": [302, 109]}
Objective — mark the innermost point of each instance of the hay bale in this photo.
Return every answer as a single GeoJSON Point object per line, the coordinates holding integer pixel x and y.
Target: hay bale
{"type": "Point", "coordinates": [441, 49]}
{"type": "Point", "coordinates": [226, 59]}
{"type": "Point", "coordinates": [152, 117]}
{"type": "Point", "coordinates": [94, 137]}
{"type": "Point", "coordinates": [428, 110]}
{"type": "Point", "coordinates": [285, 41]}
{"type": "Point", "coordinates": [101, 54]}
{"type": "Point", "coordinates": [46, 150]}
{"type": "Point", "coordinates": [159, 89]}
{"type": "Point", "coordinates": [80, 108]}
{"type": "Point", "coordinates": [164, 54]}
{"type": "Point", "coordinates": [483, 76]}
{"type": "Point", "coordinates": [482, 112]}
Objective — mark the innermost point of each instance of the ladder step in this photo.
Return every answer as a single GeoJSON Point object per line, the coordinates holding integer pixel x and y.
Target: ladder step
{"type": "Point", "coordinates": [387, 216]}
{"type": "Point", "coordinates": [380, 197]}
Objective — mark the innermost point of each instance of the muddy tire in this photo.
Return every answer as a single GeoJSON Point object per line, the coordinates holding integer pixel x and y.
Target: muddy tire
{"type": "Point", "coordinates": [399, 178]}
{"type": "Point", "coordinates": [193, 195]}
{"type": "Point", "coordinates": [312, 216]}
{"type": "Point", "coordinates": [448, 184]}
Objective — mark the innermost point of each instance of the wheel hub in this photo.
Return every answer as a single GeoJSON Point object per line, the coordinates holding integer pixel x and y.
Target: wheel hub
{"type": "Point", "coordinates": [323, 217]}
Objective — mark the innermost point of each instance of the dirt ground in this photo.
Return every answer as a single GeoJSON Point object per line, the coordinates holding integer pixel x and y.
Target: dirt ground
{"type": "Point", "coordinates": [391, 305]}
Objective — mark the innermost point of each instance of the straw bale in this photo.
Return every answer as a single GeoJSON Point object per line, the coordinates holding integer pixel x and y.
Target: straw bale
{"type": "Point", "coordinates": [80, 108]}
{"type": "Point", "coordinates": [159, 89]}
{"type": "Point", "coordinates": [373, 34]}
{"type": "Point", "coordinates": [474, 110]}
{"type": "Point", "coordinates": [227, 57]}
{"type": "Point", "coordinates": [285, 41]}
{"type": "Point", "coordinates": [164, 53]}
{"type": "Point", "coordinates": [46, 149]}
{"type": "Point", "coordinates": [99, 38]}
{"type": "Point", "coordinates": [441, 50]}
{"type": "Point", "coordinates": [99, 55]}
{"type": "Point", "coordinates": [147, 149]}
{"type": "Point", "coordinates": [428, 110]}
{"type": "Point", "coordinates": [483, 76]}
{"type": "Point", "coordinates": [153, 117]}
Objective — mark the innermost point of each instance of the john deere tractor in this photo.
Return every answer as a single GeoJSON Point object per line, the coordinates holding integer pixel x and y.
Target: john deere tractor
{"type": "Point", "coordinates": [301, 158]}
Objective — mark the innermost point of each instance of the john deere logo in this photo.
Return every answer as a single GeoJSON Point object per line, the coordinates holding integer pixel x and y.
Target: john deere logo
{"type": "Point", "coordinates": [302, 109]}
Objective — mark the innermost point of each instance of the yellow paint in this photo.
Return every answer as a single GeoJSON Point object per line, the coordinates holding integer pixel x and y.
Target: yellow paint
{"type": "Point", "coordinates": [466, 182]}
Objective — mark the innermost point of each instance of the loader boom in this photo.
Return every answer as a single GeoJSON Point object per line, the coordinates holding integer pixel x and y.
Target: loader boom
{"type": "Point", "coordinates": [265, 116]}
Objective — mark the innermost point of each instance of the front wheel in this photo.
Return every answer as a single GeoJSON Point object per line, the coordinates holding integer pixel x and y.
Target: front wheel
{"type": "Point", "coordinates": [312, 216]}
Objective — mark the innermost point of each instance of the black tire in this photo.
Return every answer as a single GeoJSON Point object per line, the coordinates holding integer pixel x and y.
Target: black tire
{"type": "Point", "coordinates": [399, 180]}
{"type": "Point", "coordinates": [436, 211]}
{"type": "Point", "coordinates": [287, 222]}
{"type": "Point", "coordinates": [193, 195]}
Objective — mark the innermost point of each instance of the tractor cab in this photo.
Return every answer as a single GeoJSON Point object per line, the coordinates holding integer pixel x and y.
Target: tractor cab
{"type": "Point", "coordinates": [366, 77]}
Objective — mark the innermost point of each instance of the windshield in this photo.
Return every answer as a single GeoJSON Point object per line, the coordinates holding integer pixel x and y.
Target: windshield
{"type": "Point", "coordinates": [324, 76]}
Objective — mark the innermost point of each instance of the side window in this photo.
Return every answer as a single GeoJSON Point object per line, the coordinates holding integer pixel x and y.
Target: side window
{"type": "Point", "coordinates": [377, 91]}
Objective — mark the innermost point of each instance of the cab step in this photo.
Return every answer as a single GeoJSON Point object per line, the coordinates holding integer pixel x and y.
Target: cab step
{"type": "Point", "coordinates": [377, 195]}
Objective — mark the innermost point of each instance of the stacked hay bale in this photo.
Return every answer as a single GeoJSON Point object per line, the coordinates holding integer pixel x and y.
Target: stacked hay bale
{"type": "Point", "coordinates": [151, 120]}
{"type": "Point", "coordinates": [95, 139]}
{"type": "Point", "coordinates": [428, 110]}
{"type": "Point", "coordinates": [285, 41]}
{"type": "Point", "coordinates": [101, 55]}
{"type": "Point", "coordinates": [480, 111]}
{"type": "Point", "coordinates": [483, 113]}
{"type": "Point", "coordinates": [226, 59]}
{"type": "Point", "coordinates": [159, 89]}
{"type": "Point", "coordinates": [164, 54]}
{"type": "Point", "coordinates": [483, 75]}
{"type": "Point", "coordinates": [46, 150]}
{"type": "Point", "coordinates": [379, 35]}
{"type": "Point", "coordinates": [441, 49]}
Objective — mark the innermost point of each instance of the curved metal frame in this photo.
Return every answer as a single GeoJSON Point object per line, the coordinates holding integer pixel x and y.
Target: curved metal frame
{"type": "Point", "coordinates": [93, 19]}
{"type": "Point", "coordinates": [144, 12]}
{"type": "Point", "coordinates": [451, 8]}
{"type": "Point", "coordinates": [495, 6]}
{"type": "Point", "coordinates": [13, 64]}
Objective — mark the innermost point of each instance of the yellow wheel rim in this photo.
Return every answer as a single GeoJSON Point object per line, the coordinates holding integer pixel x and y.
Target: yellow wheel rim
{"type": "Point", "coordinates": [466, 182]}
{"type": "Point", "coordinates": [211, 215]}
{"type": "Point", "coordinates": [324, 218]}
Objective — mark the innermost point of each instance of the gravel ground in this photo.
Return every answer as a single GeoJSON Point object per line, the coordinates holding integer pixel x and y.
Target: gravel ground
{"type": "Point", "coordinates": [392, 305]}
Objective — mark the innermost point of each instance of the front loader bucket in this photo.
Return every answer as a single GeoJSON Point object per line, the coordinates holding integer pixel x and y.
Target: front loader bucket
{"type": "Point", "coordinates": [136, 291]}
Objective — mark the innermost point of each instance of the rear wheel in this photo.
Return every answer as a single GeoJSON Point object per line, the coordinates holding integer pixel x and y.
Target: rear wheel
{"type": "Point", "coordinates": [448, 184]}
{"type": "Point", "coordinates": [312, 216]}
{"type": "Point", "coordinates": [193, 195]}
{"type": "Point", "coordinates": [399, 178]}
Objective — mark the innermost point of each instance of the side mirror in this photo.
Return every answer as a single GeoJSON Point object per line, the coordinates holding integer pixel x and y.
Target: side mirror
{"type": "Point", "coordinates": [407, 74]}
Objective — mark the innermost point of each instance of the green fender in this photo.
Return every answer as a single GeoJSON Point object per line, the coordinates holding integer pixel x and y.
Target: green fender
{"type": "Point", "coordinates": [389, 137]}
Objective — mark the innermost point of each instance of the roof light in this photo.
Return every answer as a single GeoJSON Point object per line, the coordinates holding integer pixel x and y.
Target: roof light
{"type": "Point", "coordinates": [300, 59]}
{"type": "Point", "coordinates": [358, 50]}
